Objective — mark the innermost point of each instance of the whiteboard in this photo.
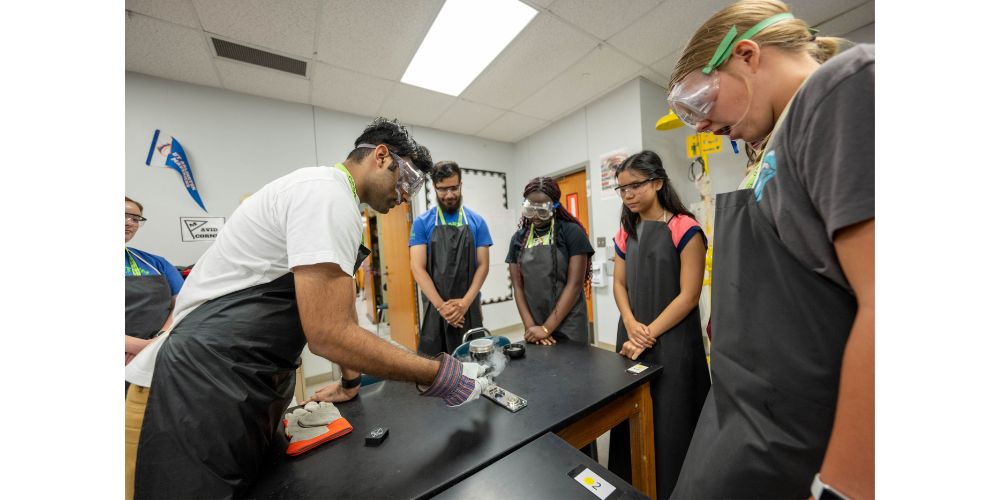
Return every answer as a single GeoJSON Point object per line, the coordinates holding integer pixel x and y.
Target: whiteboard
{"type": "Point", "coordinates": [485, 192]}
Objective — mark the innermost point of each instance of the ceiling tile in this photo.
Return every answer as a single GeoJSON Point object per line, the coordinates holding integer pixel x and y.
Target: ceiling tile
{"type": "Point", "coordinates": [512, 127]}
{"type": "Point", "coordinates": [545, 48]}
{"type": "Point", "coordinates": [414, 105]}
{"type": "Point", "coordinates": [664, 29]}
{"type": "Point", "coordinates": [817, 12]}
{"type": "Point", "coordinates": [466, 117]}
{"type": "Point", "coordinates": [602, 69]}
{"type": "Point", "coordinates": [665, 66]}
{"type": "Point", "coordinates": [266, 82]}
{"type": "Point", "coordinates": [602, 18]}
{"type": "Point", "coordinates": [849, 21]}
{"type": "Point", "coordinates": [377, 37]}
{"type": "Point", "coordinates": [175, 11]}
{"type": "Point", "coordinates": [167, 50]}
{"type": "Point", "coordinates": [288, 26]}
{"type": "Point", "coordinates": [343, 90]}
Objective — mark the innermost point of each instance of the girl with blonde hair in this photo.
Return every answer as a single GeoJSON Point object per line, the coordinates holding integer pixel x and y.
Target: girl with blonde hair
{"type": "Point", "coordinates": [791, 410]}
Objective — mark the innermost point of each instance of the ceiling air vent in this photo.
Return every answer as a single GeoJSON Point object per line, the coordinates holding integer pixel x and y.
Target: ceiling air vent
{"type": "Point", "coordinates": [259, 57]}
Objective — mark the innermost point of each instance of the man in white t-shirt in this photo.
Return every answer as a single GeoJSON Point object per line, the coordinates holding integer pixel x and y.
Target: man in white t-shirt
{"type": "Point", "coordinates": [207, 396]}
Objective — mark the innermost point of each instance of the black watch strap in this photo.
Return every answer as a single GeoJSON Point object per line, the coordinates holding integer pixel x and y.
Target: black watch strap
{"type": "Point", "coordinates": [350, 383]}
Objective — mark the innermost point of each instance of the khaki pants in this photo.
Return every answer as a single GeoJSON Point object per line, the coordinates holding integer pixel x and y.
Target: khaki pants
{"type": "Point", "coordinates": [135, 410]}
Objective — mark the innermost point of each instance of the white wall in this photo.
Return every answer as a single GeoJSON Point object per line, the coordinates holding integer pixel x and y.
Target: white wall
{"type": "Point", "coordinates": [609, 123]}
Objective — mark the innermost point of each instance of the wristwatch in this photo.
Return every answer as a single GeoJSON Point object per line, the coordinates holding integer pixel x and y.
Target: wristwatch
{"type": "Point", "coordinates": [823, 491]}
{"type": "Point", "coordinates": [350, 383]}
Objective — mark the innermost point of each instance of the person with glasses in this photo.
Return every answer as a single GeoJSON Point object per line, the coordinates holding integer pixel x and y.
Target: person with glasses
{"type": "Point", "coordinates": [278, 276]}
{"type": "Point", "coordinates": [549, 260]}
{"type": "Point", "coordinates": [450, 258]}
{"type": "Point", "coordinates": [151, 285]}
{"type": "Point", "coordinates": [659, 267]}
{"type": "Point", "coordinates": [791, 411]}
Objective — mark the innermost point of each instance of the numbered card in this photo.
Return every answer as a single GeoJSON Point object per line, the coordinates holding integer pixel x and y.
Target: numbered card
{"type": "Point", "coordinates": [594, 483]}
{"type": "Point", "coordinates": [637, 368]}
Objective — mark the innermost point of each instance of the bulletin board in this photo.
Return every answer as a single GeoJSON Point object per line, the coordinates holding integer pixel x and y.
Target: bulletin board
{"type": "Point", "coordinates": [485, 192]}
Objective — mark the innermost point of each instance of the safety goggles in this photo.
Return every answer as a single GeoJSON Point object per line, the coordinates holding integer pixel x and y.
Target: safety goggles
{"type": "Point", "coordinates": [410, 177]}
{"type": "Point", "coordinates": [693, 98]}
{"type": "Point", "coordinates": [542, 211]}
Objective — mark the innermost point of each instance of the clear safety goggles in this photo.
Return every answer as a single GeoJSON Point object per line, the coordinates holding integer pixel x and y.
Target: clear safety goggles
{"type": "Point", "coordinates": [410, 177]}
{"type": "Point", "coordinates": [543, 211]}
{"type": "Point", "coordinates": [694, 97]}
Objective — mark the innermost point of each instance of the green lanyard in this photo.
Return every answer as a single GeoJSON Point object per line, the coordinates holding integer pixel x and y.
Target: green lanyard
{"type": "Point", "coordinates": [350, 179]}
{"type": "Point", "coordinates": [541, 240]}
{"type": "Point", "coordinates": [133, 266]}
{"type": "Point", "coordinates": [461, 212]}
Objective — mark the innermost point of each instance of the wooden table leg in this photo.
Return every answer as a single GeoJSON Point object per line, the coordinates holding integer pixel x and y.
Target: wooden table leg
{"type": "Point", "coordinates": [640, 426]}
{"type": "Point", "coordinates": [637, 407]}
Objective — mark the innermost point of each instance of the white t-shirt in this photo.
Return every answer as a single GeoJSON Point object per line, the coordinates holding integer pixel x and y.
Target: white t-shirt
{"type": "Point", "coordinates": [307, 217]}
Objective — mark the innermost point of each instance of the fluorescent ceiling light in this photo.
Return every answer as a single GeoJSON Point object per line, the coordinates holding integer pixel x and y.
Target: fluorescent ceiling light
{"type": "Point", "coordinates": [466, 36]}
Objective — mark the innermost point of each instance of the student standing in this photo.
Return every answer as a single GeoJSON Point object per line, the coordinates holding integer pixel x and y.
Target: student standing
{"type": "Point", "coordinates": [450, 258]}
{"type": "Point", "coordinates": [791, 410]}
{"type": "Point", "coordinates": [549, 261]}
{"type": "Point", "coordinates": [659, 268]}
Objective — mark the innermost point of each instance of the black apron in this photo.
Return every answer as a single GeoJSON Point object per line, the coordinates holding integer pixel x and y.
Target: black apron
{"type": "Point", "coordinates": [147, 303]}
{"type": "Point", "coordinates": [222, 379]}
{"type": "Point", "coordinates": [779, 331]}
{"type": "Point", "coordinates": [451, 265]}
{"type": "Point", "coordinates": [544, 272]}
{"type": "Point", "coordinates": [653, 278]}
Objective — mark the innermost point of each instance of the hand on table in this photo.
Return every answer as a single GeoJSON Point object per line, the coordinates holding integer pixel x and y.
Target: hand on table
{"type": "Point", "coordinates": [334, 393]}
{"type": "Point", "coordinates": [536, 335]}
{"type": "Point", "coordinates": [639, 334]}
{"type": "Point", "coordinates": [630, 350]}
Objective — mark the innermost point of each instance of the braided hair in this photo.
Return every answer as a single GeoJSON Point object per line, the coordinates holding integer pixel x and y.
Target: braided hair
{"type": "Point", "coordinates": [549, 187]}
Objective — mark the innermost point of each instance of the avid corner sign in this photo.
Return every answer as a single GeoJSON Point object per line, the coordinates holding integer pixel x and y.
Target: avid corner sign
{"type": "Point", "coordinates": [201, 228]}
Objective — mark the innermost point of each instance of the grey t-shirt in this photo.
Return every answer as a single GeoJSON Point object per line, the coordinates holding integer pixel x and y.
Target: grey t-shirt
{"type": "Point", "coordinates": [818, 173]}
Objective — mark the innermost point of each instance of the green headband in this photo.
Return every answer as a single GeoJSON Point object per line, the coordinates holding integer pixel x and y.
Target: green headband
{"type": "Point", "coordinates": [726, 46]}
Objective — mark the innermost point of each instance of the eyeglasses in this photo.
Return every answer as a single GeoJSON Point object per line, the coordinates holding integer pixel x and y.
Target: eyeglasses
{"type": "Point", "coordinates": [634, 187]}
{"type": "Point", "coordinates": [134, 219]}
{"type": "Point", "coordinates": [449, 189]}
{"type": "Point", "coordinates": [410, 178]}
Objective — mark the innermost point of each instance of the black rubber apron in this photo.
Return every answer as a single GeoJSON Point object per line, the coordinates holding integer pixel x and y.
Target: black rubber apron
{"type": "Point", "coordinates": [222, 379]}
{"type": "Point", "coordinates": [451, 265]}
{"type": "Point", "coordinates": [652, 275]}
{"type": "Point", "coordinates": [147, 301]}
{"type": "Point", "coordinates": [544, 272]}
{"type": "Point", "coordinates": [779, 331]}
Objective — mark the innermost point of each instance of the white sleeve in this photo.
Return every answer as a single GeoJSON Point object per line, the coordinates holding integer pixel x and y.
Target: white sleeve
{"type": "Point", "coordinates": [322, 223]}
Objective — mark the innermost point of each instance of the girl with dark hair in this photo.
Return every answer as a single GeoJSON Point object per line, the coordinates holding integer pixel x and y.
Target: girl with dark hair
{"type": "Point", "coordinates": [659, 268]}
{"type": "Point", "coordinates": [549, 261]}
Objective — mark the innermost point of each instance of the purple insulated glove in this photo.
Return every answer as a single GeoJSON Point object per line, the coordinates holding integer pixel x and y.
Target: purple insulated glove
{"type": "Point", "coordinates": [456, 383]}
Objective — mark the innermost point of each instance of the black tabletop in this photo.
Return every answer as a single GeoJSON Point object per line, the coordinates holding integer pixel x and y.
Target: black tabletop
{"type": "Point", "coordinates": [542, 469]}
{"type": "Point", "coordinates": [431, 446]}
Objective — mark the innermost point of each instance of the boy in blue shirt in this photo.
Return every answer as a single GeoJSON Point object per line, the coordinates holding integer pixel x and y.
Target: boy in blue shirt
{"type": "Point", "coordinates": [449, 257]}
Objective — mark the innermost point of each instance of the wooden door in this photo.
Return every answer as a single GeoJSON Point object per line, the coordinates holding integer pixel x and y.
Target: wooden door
{"type": "Point", "coordinates": [574, 199]}
{"type": "Point", "coordinates": [370, 268]}
{"type": "Point", "coordinates": [401, 292]}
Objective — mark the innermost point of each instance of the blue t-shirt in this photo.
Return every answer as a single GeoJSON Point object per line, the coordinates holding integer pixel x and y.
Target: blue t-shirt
{"type": "Point", "coordinates": [152, 265]}
{"type": "Point", "coordinates": [423, 226]}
